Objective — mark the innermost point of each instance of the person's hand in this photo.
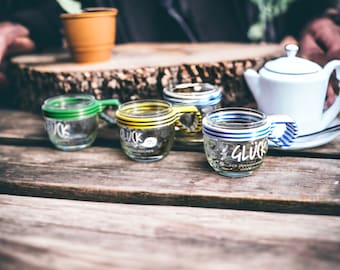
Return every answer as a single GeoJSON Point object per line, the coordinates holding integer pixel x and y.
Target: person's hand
{"type": "Point", "coordinates": [320, 42]}
{"type": "Point", "coordinates": [14, 38]}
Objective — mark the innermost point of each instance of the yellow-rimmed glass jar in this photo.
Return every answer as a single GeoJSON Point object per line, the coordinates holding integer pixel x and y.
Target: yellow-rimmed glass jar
{"type": "Point", "coordinates": [147, 127]}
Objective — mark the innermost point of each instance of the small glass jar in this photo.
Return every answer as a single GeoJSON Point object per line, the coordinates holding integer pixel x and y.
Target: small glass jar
{"type": "Point", "coordinates": [206, 97]}
{"type": "Point", "coordinates": [236, 139]}
{"type": "Point", "coordinates": [71, 121]}
{"type": "Point", "coordinates": [147, 127]}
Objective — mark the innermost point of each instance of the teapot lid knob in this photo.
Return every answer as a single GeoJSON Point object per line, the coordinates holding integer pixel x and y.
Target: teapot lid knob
{"type": "Point", "coordinates": [291, 50]}
{"type": "Point", "coordinates": [291, 64]}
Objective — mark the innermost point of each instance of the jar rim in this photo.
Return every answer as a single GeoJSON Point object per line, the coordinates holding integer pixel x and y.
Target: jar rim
{"type": "Point", "coordinates": [146, 111]}
{"type": "Point", "coordinates": [236, 124]}
{"type": "Point", "coordinates": [210, 101]}
{"type": "Point", "coordinates": [236, 118]}
{"type": "Point", "coordinates": [193, 91]}
{"type": "Point", "coordinates": [70, 106]}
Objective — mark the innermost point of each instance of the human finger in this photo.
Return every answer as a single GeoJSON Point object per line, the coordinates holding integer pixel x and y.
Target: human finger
{"type": "Point", "coordinates": [12, 31]}
{"type": "Point", "coordinates": [8, 27]}
{"type": "Point", "coordinates": [310, 49]}
{"type": "Point", "coordinates": [288, 40]}
{"type": "Point", "coordinates": [21, 45]}
{"type": "Point", "coordinates": [8, 33]}
{"type": "Point", "coordinates": [330, 98]}
{"type": "Point", "coordinates": [326, 33]}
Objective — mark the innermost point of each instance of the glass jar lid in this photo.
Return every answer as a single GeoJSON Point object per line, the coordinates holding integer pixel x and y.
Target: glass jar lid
{"type": "Point", "coordinates": [68, 107]}
{"type": "Point", "coordinates": [236, 123]}
{"type": "Point", "coordinates": [291, 64]}
{"type": "Point", "coordinates": [146, 113]}
{"type": "Point", "coordinates": [193, 91]}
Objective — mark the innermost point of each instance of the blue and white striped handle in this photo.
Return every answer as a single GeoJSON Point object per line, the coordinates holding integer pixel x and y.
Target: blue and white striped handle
{"type": "Point", "coordinates": [283, 130]}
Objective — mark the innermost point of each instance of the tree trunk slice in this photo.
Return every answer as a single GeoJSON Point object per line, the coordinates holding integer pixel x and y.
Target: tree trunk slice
{"type": "Point", "coordinates": [141, 70]}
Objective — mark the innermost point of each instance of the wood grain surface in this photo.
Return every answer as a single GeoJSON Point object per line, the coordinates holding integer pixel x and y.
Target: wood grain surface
{"type": "Point", "coordinates": [289, 184]}
{"type": "Point", "coordinates": [122, 214]}
{"type": "Point", "coordinates": [141, 55]}
{"type": "Point", "coordinates": [38, 233]}
{"type": "Point", "coordinates": [30, 165]}
{"type": "Point", "coordinates": [25, 128]}
{"type": "Point", "coordinates": [140, 70]}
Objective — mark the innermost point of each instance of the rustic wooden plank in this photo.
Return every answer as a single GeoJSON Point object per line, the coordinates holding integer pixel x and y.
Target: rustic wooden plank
{"type": "Point", "coordinates": [141, 70]}
{"type": "Point", "coordinates": [38, 233]}
{"type": "Point", "coordinates": [287, 184]}
{"type": "Point", "coordinates": [152, 55]}
{"type": "Point", "coordinates": [25, 128]}
{"type": "Point", "coordinates": [16, 124]}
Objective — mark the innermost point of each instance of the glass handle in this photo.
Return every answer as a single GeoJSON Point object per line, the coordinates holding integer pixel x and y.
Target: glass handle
{"type": "Point", "coordinates": [108, 102]}
{"type": "Point", "coordinates": [105, 103]}
{"type": "Point", "coordinates": [196, 125]}
{"type": "Point", "coordinates": [283, 130]}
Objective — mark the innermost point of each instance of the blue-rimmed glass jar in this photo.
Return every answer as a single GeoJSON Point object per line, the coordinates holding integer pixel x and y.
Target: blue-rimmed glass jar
{"type": "Point", "coordinates": [71, 121]}
{"type": "Point", "coordinates": [206, 97]}
{"type": "Point", "coordinates": [236, 139]}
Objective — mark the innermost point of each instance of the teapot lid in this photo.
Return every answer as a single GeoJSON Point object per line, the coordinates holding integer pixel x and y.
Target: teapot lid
{"type": "Point", "coordinates": [292, 64]}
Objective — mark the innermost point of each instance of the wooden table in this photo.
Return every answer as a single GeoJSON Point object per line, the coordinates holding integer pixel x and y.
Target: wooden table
{"type": "Point", "coordinates": [96, 209]}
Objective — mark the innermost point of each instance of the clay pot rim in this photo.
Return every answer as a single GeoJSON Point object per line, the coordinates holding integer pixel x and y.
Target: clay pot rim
{"type": "Point", "coordinates": [91, 12]}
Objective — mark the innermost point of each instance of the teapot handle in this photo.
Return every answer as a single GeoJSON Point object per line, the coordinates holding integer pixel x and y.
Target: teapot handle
{"type": "Point", "coordinates": [334, 109]}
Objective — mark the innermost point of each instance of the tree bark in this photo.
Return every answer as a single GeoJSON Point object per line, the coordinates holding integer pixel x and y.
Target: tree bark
{"type": "Point", "coordinates": [140, 70]}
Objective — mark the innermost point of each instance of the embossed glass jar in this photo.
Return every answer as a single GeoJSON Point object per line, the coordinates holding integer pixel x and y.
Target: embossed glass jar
{"type": "Point", "coordinates": [236, 139]}
{"type": "Point", "coordinates": [206, 97]}
{"type": "Point", "coordinates": [147, 127]}
{"type": "Point", "coordinates": [71, 121]}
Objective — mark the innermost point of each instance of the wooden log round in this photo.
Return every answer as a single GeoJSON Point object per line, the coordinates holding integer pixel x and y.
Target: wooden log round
{"type": "Point", "coordinates": [140, 70]}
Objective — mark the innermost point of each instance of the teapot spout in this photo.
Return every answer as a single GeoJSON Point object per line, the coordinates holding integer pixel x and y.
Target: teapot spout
{"type": "Point", "coordinates": [252, 79]}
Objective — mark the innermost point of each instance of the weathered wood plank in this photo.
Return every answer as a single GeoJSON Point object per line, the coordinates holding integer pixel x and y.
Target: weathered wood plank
{"type": "Point", "coordinates": [20, 125]}
{"type": "Point", "coordinates": [24, 128]}
{"type": "Point", "coordinates": [38, 233]}
{"type": "Point", "coordinates": [287, 184]}
{"type": "Point", "coordinates": [141, 70]}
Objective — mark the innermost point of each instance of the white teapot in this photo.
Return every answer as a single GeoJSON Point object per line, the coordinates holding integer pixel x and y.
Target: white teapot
{"type": "Point", "coordinates": [296, 87]}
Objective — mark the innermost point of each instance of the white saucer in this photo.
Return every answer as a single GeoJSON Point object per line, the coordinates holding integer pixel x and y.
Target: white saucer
{"type": "Point", "coordinates": [312, 140]}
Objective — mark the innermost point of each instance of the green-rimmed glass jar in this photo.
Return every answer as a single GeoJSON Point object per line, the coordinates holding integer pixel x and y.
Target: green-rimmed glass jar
{"type": "Point", "coordinates": [71, 121]}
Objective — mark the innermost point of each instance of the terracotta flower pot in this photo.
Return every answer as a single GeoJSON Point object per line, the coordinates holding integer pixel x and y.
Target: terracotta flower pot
{"type": "Point", "coordinates": [91, 34]}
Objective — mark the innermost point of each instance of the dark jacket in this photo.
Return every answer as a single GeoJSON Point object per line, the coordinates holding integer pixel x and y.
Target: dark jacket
{"type": "Point", "coordinates": [41, 17]}
{"type": "Point", "coordinates": [167, 20]}
{"type": "Point", "coordinates": [204, 20]}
